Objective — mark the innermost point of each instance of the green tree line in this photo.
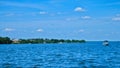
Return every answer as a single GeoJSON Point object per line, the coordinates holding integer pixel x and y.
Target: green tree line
{"type": "Point", "coordinates": [7, 40]}
{"type": "Point", "coordinates": [34, 41]}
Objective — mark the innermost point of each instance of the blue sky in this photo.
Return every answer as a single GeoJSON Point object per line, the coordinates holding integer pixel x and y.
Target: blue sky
{"type": "Point", "coordinates": [61, 19]}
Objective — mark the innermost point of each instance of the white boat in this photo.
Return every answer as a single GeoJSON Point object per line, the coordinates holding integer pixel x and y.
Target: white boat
{"type": "Point", "coordinates": [106, 43]}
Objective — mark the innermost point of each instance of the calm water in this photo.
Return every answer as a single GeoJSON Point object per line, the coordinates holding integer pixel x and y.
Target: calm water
{"type": "Point", "coordinates": [75, 55]}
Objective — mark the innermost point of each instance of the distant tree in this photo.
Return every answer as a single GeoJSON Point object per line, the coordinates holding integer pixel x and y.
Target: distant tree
{"type": "Point", "coordinates": [61, 40]}
{"type": "Point", "coordinates": [5, 40]}
{"type": "Point", "coordinates": [68, 41]}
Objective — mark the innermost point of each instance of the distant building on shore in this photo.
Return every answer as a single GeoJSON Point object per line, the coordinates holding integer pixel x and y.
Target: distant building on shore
{"type": "Point", "coordinates": [15, 41]}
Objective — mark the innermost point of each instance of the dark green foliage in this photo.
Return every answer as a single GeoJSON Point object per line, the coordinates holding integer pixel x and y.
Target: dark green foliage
{"type": "Point", "coordinates": [5, 40]}
{"type": "Point", "coordinates": [37, 41]}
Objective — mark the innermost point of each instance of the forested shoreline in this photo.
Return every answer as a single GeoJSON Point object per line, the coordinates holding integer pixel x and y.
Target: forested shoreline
{"type": "Point", "coordinates": [7, 40]}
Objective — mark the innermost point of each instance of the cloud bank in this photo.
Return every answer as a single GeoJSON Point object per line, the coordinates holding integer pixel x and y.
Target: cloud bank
{"type": "Point", "coordinates": [9, 29]}
{"type": "Point", "coordinates": [79, 9]}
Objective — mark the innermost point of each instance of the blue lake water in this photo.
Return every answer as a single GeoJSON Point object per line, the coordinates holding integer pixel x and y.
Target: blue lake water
{"type": "Point", "coordinates": [74, 55]}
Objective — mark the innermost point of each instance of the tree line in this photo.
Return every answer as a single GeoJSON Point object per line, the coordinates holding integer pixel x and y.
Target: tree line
{"type": "Point", "coordinates": [6, 40]}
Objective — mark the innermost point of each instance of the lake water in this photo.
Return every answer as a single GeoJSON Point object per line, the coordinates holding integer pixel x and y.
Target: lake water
{"type": "Point", "coordinates": [74, 55]}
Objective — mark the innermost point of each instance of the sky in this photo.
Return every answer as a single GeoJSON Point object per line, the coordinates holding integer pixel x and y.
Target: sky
{"type": "Point", "coordinates": [60, 19]}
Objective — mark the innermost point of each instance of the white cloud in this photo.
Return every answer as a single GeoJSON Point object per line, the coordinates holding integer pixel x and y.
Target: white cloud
{"type": "Point", "coordinates": [39, 30]}
{"type": "Point", "coordinates": [43, 12]}
{"type": "Point", "coordinates": [8, 29]}
{"type": "Point", "coordinates": [81, 30]}
{"type": "Point", "coordinates": [116, 18]}
{"type": "Point", "coordinates": [85, 17]}
{"type": "Point", "coordinates": [79, 9]}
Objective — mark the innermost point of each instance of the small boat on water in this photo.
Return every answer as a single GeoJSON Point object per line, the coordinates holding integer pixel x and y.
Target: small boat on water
{"type": "Point", "coordinates": [106, 43]}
